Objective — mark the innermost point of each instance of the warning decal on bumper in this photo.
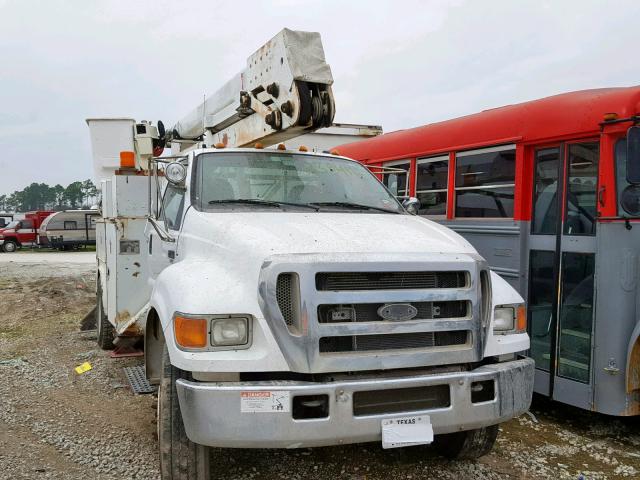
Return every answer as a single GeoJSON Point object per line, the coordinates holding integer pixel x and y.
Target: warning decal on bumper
{"type": "Point", "coordinates": [264, 402]}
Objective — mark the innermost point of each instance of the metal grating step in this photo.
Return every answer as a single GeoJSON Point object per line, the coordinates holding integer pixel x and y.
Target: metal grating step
{"type": "Point", "coordinates": [138, 380]}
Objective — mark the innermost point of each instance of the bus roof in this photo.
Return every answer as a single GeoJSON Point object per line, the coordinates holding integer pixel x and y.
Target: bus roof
{"type": "Point", "coordinates": [574, 113]}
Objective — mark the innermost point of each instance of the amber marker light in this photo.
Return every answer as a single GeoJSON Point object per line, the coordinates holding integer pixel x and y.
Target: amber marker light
{"type": "Point", "coordinates": [303, 148]}
{"type": "Point", "coordinates": [335, 152]}
{"type": "Point", "coordinates": [190, 332]}
{"type": "Point", "coordinates": [127, 160]}
{"type": "Point", "coordinates": [220, 145]}
{"type": "Point", "coordinates": [281, 146]}
{"type": "Point", "coordinates": [521, 319]}
{"type": "Point", "coordinates": [608, 117]}
{"type": "Point", "coordinates": [258, 146]}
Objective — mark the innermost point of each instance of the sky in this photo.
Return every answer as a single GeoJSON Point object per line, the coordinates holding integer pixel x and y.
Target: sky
{"type": "Point", "coordinates": [398, 63]}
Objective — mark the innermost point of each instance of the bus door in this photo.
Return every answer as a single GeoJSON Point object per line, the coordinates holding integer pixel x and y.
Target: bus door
{"type": "Point", "coordinates": [562, 246]}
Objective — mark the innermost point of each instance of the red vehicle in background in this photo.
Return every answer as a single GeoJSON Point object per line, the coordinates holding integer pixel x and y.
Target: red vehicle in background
{"type": "Point", "coordinates": [22, 233]}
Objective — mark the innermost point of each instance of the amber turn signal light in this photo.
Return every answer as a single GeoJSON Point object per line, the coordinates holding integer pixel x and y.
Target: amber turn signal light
{"type": "Point", "coordinates": [190, 332]}
{"type": "Point", "coordinates": [521, 319]}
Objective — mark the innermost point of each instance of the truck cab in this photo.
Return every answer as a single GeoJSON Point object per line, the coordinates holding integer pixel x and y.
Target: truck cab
{"type": "Point", "coordinates": [22, 233]}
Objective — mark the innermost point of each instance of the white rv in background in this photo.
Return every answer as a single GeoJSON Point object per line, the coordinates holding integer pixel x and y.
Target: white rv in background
{"type": "Point", "coordinates": [69, 229]}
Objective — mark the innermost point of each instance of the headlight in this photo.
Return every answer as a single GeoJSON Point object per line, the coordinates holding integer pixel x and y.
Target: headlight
{"type": "Point", "coordinates": [212, 332]}
{"type": "Point", "coordinates": [229, 331]}
{"type": "Point", "coordinates": [510, 319]}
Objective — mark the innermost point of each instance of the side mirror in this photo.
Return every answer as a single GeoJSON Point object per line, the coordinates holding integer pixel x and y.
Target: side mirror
{"type": "Point", "coordinates": [633, 155]}
{"type": "Point", "coordinates": [411, 205]}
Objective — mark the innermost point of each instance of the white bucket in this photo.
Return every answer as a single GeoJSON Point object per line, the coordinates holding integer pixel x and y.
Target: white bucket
{"type": "Point", "coordinates": [109, 137]}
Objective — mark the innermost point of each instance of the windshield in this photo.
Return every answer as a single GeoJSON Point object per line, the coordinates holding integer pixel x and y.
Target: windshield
{"type": "Point", "coordinates": [288, 181]}
{"type": "Point", "coordinates": [12, 224]}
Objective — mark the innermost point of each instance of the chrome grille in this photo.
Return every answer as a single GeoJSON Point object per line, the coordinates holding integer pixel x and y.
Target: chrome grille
{"type": "Point", "coordinates": [284, 296]}
{"type": "Point", "coordinates": [368, 312]}
{"type": "Point", "coordinates": [297, 291]}
{"type": "Point", "coordinates": [393, 341]}
{"type": "Point", "coordinates": [345, 281]}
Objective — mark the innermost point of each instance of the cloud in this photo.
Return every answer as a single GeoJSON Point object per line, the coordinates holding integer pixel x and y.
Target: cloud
{"type": "Point", "coordinates": [398, 64]}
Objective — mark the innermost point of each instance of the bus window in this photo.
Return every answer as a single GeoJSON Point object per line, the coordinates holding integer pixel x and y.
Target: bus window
{"type": "Point", "coordinates": [397, 182]}
{"type": "Point", "coordinates": [582, 185]}
{"type": "Point", "coordinates": [485, 182]}
{"type": "Point", "coordinates": [576, 316]}
{"type": "Point", "coordinates": [431, 185]}
{"type": "Point", "coordinates": [545, 198]}
{"type": "Point", "coordinates": [541, 308]}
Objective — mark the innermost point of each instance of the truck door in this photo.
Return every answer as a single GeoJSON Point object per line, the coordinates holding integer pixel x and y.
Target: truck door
{"type": "Point", "coordinates": [562, 246]}
{"type": "Point", "coordinates": [26, 232]}
{"type": "Point", "coordinates": [162, 252]}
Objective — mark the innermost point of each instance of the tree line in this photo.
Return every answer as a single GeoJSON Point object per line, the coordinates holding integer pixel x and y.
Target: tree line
{"type": "Point", "coordinates": [40, 196]}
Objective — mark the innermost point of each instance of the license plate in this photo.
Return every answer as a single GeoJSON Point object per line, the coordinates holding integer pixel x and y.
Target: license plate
{"type": "Point", "coordinates": [406, 431]}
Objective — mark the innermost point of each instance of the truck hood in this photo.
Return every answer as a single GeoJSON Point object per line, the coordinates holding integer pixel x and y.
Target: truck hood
{"type": "Point", "coordinates": [261, 234]}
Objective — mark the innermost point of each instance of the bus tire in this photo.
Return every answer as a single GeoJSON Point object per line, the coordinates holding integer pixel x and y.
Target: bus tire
{"type": "Point", "coordinates": [180, 458]}
{"type": "Point", "coordinates": [104, 330]}
{"type": "Point", "coordinates": [467, 445]}
{"type": "Point", "coordinates": [9, 246]}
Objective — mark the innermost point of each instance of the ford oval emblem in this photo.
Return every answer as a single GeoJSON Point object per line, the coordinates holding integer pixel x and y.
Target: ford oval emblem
{"type": "Point", "coordinates": [398, 312]}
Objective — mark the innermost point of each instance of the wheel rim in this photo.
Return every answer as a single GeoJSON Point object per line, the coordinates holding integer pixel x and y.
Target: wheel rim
{"type": "Point", "coordinates": [10, 247]}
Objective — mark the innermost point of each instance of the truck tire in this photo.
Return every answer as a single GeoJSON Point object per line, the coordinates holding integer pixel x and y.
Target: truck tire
{"type": "Point", "coordinates": [9, 246]}
{"type": "Point", "coordinates": [468, 445]}
{"type": "Point", "coordinates": [104, 330]}
{"type": "Point", "coordinates": [180, 458]}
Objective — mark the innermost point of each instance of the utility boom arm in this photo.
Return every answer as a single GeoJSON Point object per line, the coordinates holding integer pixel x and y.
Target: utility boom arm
{"type": "Point", "coordinates": [284, 91]}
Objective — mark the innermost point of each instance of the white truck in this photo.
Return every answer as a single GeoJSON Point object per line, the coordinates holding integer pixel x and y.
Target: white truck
{"type": "Point", "coordinates": [285, 298]}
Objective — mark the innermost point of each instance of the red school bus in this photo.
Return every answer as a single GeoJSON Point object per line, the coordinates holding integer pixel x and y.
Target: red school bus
{"type": "Point", "coordinates": [545, 192]}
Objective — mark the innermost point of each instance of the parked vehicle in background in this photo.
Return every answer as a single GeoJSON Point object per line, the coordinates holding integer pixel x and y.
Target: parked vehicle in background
{"type": "Point", "coordinates": [547, 193]}
{"type": "Point", "coordinates": [5, 219]}
{"type": "Point", "coordinates": [22, 233]}
{"type": "Point", "coordinates": [69, 229]}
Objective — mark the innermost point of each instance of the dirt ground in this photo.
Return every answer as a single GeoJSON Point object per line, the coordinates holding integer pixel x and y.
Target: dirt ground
{"type": "Point", "coordinates": [57, 424]}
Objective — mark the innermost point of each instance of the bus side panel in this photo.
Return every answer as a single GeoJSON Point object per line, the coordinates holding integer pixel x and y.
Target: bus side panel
{"type": "Point", "coordinates": [617, 287]}
{"type": "Point", "coordinates": [500, 242]}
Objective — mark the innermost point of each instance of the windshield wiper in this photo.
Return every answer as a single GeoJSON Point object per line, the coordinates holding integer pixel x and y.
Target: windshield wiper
{"type": "Point", "coordinates": [353, 205]}
{"type": "Point", "coordinates": [257, 201]}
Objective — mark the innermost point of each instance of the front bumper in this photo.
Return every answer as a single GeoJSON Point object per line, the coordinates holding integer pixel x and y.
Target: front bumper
{"type": "Point", "coordinates": [212, 416]}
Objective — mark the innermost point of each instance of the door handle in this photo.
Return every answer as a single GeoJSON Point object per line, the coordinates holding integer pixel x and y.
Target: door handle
{"type": "Point", "coordinates": [171, 254]}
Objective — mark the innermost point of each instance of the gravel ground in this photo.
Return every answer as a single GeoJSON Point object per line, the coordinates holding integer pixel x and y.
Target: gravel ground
{"type": "Point", "coordinates": [57, 424]}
